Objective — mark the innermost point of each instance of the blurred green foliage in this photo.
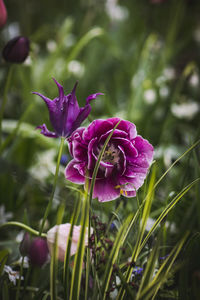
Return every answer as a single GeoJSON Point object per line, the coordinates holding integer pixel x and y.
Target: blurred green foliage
{"type": "Point", "coordinates": [145, 58]}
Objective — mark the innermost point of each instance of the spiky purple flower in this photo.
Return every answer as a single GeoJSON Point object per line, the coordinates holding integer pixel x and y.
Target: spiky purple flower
{"type": "Point", "coordinates": [64, 112]}
{"type": "Point", "coordinates": [124, 164]}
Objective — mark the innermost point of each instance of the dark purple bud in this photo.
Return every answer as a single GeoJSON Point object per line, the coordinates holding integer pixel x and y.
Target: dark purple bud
{"type": "Point", "coordinates": [25, 244]}
{"type": "Point", "coordinates": [38, 251]}
{"type": "Point", "coordinates": [16, 50]}
{"type": "Point", "coordinates": [3, 14]}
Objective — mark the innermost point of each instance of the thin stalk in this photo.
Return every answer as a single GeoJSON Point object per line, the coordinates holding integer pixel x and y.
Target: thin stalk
{"type": "Point", "coordinates": [24, 226]}
{"type": "Point", "coordinates": [5, 98]}
{"type": "Point", "coordinates": [54, 186]}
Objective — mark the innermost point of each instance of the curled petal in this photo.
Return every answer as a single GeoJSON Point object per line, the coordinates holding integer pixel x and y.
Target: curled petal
{"type": "Point", "coordinates": [73, 172]}
{"type": "Point", "coordinates": [92, 97]}
{"type": "Point", "coordinates": [46, 132]}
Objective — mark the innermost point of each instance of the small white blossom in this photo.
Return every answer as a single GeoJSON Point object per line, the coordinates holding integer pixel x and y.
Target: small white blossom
{"type": "Point", "coordinates": [76, 68]}
{"type": "Point", "coordinates": [164, 91]}
{"type": "Point", "coordinates": [51, 46]}
{"type": "Point", "coordinates": [196, 34]}
{"type": "Point", "coordinates": [4, 216]}
{"type": "Point", "coordinates": [194, 80]}
{"type": "Point", "coordinates": [116, 12]}
{"type": "Point", "coordinates": [150, 96]}
{"type": "Point", "coordinates": [45, 165]}
{"type": "Point", "coordinates": [169, 73]}
{"type": "Point", "coordinates": [12, 275]}
{"type": "Point", "coordinates": [185, 110]}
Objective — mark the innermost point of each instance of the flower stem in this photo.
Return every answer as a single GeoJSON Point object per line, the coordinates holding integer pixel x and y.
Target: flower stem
{"type": "Point", "coordinates": [7, 85]}
{"type": "Point", "coordinates": [54, 186]}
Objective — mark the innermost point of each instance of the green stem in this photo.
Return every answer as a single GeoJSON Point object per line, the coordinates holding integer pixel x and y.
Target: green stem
{"type": "Point", "coordinates": [25, 227]}
{"type": "Point", "coordinates": [7, 85]}
{"type": "Point", "coordinates": [54, 186]}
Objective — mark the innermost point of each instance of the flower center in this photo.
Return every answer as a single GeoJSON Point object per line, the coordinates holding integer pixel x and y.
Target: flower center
{"type": "Point", "coordinates": [111, 155]}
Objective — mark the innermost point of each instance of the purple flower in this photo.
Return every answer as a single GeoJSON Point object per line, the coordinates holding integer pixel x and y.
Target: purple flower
{"type": "Point", "coordinates": [3, 14]}
{"type": "Point", "coordinates": [65, 113]}
{"type": "Point", "coordinates": [38, 251]}
{"type": "Point", "coordinates": [16, 50]}
{"type": "Point", "coordinates": [125, 162]}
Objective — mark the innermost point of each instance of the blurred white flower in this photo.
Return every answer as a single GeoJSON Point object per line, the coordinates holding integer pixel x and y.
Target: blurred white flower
{"type": "Point", "coordinates": [194, 80]}
{"type": "Point", "coordinates": [4, 216]}
{"type": "Point", "coordinates": [28, 61]}
{"type": "Point", "coordinates": [51, 45]}
{"type": "Point", "coordinates": [150, 96]}
{"type": "Point", "coordinates": [76, 68]}
{"type": "Point", "coordinates": [196, 34]}
{"type": "Point", "coordinates": [25, 262]}
{"type": "Point", "coordinates": [116, 12]}
{"type": "Point", "coordinates": [185, 110]}
{"type": "Point", "coordinates": [138, 78]}
{"type": "Point", "coordinates": [19, 236]}
{"type": "Point", "coordinates": [164, 91]}
{"type": "Point", "coordinates": [113, 294]}
{"type": "Point", "coordinates": [169, 73]}
{"type": "Point", "coordinates": [11, 31]}
{"type": "Point", "coordinates": [12, 275]}
{"type": "Point", "coordinates": [44, 166]}
{"type": "Point", "coordinates": [150, 223]}
{"type": "Point", "coordinates": [160, 80]}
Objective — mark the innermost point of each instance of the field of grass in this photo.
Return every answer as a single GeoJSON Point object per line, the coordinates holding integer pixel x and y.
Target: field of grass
{"type": "Point", "coordinates": [144, 57]}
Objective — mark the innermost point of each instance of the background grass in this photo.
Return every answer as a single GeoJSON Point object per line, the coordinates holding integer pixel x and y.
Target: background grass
{"type": "Point", "coordinates": [145, 58]}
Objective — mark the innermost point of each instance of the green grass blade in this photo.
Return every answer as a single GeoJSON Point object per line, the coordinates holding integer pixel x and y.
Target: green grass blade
{"type": "Point", "coordinates": [167, 210]}
{"type": "Point", "coordinates": [68, 247]}
{"type": "Point", "coordinates": [77, 270]}
{"type": "Point", "coordinates": [54, 257]}
{"type": "Point", "coordinates": [145, 215]}
{"type": "Point", "coordinates": [121, 235]}
{"type": "Point", "coordinates": [150, 267]}
{"type": "Point", "coordinates": [151, 290]}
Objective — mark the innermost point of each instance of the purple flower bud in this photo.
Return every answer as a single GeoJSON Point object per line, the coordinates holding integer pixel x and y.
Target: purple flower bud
{"type": "Point", "coordinates": [3, 14]}
{"type": "Point", "coordinates": [16, 50]}
{"type": "Point", "coordinates": [25, 244]}
{"type": "Point", "coordinates": [64, 112]}
{"type": "Point", "coordinates": [38, 251]}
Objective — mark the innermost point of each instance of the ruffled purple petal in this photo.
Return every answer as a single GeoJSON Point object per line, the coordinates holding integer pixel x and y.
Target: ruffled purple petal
{"type": "Point", "coordinates": [46, 132]}
{"type": "Point", "coordinates": [75, 172]}
{"type": "Point", "coordinates": [75, 139]}
{"type": "Point", "coordinates": [145, 148]}
{"type": "Point", "coordinates": [97, 128]}
{"type": "Point", "coordinates": [105, 190]}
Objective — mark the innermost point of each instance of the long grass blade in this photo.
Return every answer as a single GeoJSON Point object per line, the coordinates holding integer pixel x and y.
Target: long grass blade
{"type": "Point", "coordinates": [167, 210]}
{"type": "Point", "coordinates": [77, 270]}
{"type": "Point", "coordinates": [161, 276]}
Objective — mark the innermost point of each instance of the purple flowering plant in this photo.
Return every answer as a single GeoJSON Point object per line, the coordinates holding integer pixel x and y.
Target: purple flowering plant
{"type": "Point", "coordinates": [124, 164]}
{"type": "Point", "coordinates": [64, 112]}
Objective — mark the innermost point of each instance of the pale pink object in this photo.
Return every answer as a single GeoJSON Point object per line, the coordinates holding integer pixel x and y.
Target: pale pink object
{"type": "Point", "coordinates": [3, 14]}
{"type": "Point", "coordinates": [62, 236]}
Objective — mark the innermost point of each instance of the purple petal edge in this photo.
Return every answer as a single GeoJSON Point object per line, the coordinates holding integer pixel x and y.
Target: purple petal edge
{"type": "Point", "coordinates": [46, 132]}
